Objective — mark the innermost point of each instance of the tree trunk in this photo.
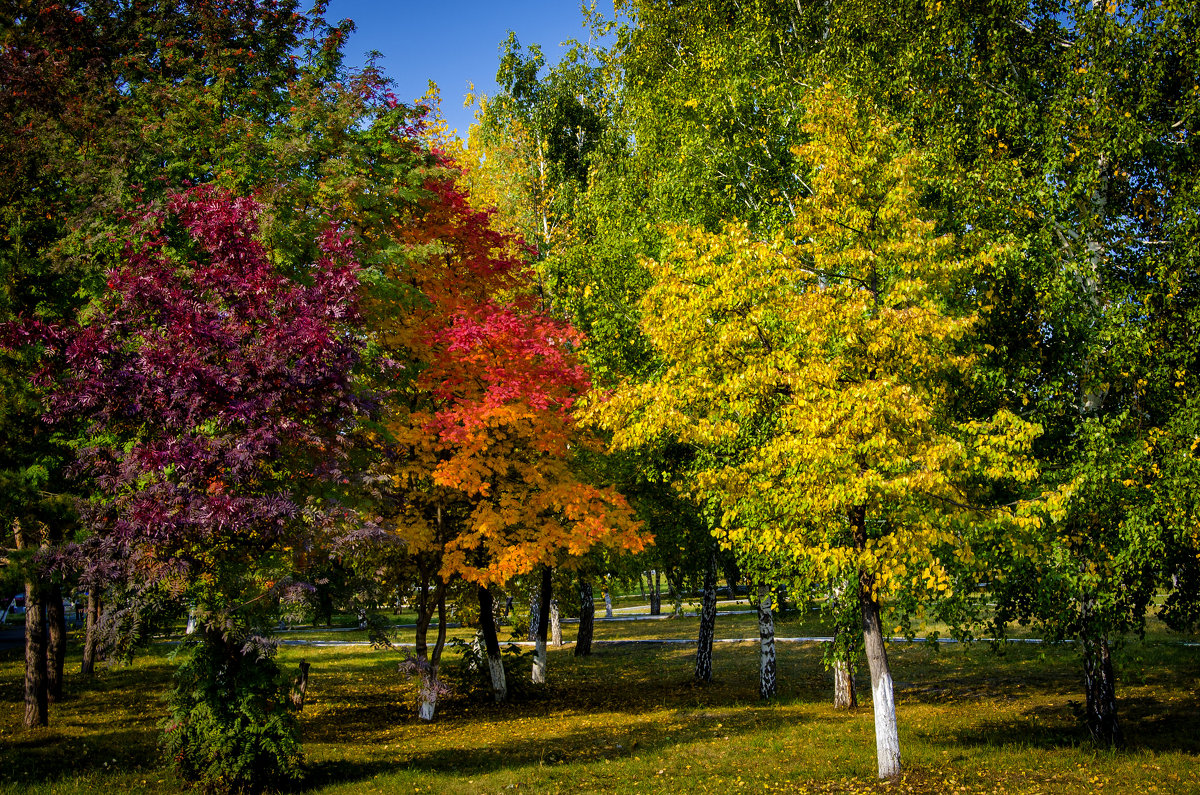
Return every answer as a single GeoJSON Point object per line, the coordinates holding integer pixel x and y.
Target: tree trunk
{"type": "Point", "coordinates": [608, 601]}
{"type": "Point", "coordinates": [555, 624]}
{"type": "Point", "coordinates": [766, 644]}
{"type": "Point", "coordinates": [1101, 686]}
{"type": "Point", "coordinates": [708, 622]}
{"type": "Point", "coordinates": [535, 609]}
{"type": "Point", "coordinates": [37, 708]}
{"type": "Point", "coordinates": [641, 585]}
{"type": "Point", "coordinates": [845, 696]}
{"type": "Point", "coordinates": [426, 663]}
{"type": "Point", "coordinates": [56, 650]}
{"type": "Point", "coordinates": [732, 575]}
{"type": "Point", "coordinates": [89, 633]}
{"type": "Point", "coordinates": [539, 656]}
{"type": "Point", "coordinates": [655, 594]}
{"type": "Point", "coordinates": [431, 686]}
{"type": "Point", "coordinates": [675, 592]}
{"type": "Point", "coordinates": [847, 624]}
{"type": "Point", "coordinates": [300, 686]}
{"type": "Point", "coordinates": [587, 624]}
{"type": "Point", "coordinates": [491, 644]}
{"type": "Point", "coordinates": [883, 699]}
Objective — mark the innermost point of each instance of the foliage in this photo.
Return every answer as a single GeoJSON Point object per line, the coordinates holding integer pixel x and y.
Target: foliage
{"type": "Point", "coordinates": [230, 728]}
{"type": "Point", "coordinates": [208, 387]}
{"type": "Point", "coordinates": [812, 375]}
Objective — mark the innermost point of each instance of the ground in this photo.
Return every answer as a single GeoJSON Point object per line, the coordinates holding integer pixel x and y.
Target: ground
{"type": "Point", "coordinates": [629, 719]}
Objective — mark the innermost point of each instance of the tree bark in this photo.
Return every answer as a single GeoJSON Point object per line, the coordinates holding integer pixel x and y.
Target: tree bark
{"type": "Point", "coordinates": [300, 686]}
{"type": "Point", "coordinates": [883, 698]}
{"type": "Point", "coordinates": [56, 649]}
{"type": "Point", "coordinates": [675, 592]}
{"type": "Point", "coordinates": [708, 621]}
{"type": "Point", "coordinates": [655, 594]}
{"type": "Point", "coordinates": [608, 601]}
{"type": "Point", "coordinates": [555, 624]}
{"type": "Point", "coordinates": [845, 696]}
{"type": "Point", "coordinates": [535, 610]}
{"type": "Point", "coordinates": [539, 655]}
{"type": "Point", "coordinates": [766, 644]}
{"type": "Point", "coordinates": [37, 707]}
{"type": "Point", "coordinates": [491, 644]}
{"type": "Point", "coordinates": [587, 624]}
{"type": "Point", "coordinates": [89, 633]}
{"type": "Point", "coordinates": [1101, 688]}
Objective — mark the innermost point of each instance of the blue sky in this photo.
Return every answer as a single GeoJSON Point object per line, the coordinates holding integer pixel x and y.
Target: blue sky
{"type": "Point", "coordinates": [455, 43]}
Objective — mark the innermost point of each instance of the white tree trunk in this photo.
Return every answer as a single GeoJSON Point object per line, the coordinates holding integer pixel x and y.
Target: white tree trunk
{"type": "Point", "coordinates": [539, 662]}
{"type": "Point", "coordinates": [607, 602]}
{"type": "Point", "coordinates": [844, 694]}
{"type": "Point", "coordinates": [766, 644]}
{"type": "Point", "coordinates": [428, 707]}
{"type": "Point", "coordinates": [555, 624]}
{"type": "Point", "coordinates": [499, 683]}
{"type": "Point", "coordinates": [883, 697]}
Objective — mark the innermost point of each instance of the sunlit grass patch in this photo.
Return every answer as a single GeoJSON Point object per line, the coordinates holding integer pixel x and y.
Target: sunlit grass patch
{"type": "Point", "coordinates": [630, 719]}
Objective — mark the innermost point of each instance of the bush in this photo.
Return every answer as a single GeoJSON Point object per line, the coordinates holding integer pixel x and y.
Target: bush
{"type": "Point", "coordinates": [231, 728]}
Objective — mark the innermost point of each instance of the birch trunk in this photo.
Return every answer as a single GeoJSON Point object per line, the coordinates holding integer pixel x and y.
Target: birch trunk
{"type": "Point", "coordinates": [587, 614]}
{"type": "Point", "coordinates": [1101, 688]}
{"type": "Point", "coordinates": [766, 645]}
{"type": "Point", "coordinates": [708, 621]}
{"type": "Point", "coordinates": [555, 624]}
{"type": "Point", "coordinates": [608, 601]}
{"type": "Point", "coordinates": [845, 696]}
{"type": "Point", "coordinates": [491, 644]}
{"type": "Point", "coordinates": [675, 592]}
{"type": "Point", "coordinates": [539, 656]}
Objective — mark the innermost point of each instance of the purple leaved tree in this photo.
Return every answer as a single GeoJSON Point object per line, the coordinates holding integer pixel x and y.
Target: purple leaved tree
{"type": "Point", "coordinates": [218, 391]}
{"type": "Point", "coordinates": [218, 395]}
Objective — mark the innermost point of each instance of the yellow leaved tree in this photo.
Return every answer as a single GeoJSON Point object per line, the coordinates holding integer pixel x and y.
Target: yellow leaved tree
{"type": "Point", "coordinates": [813, 373]}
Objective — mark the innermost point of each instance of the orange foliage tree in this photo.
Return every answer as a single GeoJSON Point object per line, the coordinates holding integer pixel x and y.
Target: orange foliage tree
{"type": "Point", "coordinates": [476, 473]}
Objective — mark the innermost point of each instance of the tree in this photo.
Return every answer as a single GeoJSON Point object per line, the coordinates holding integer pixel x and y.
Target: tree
{"type": "Point", "coordinates": [479, 441]}
{"type": "Point", "coordinates": [213, 389]}
{"type": "Point", "coordinates": [106, 106]}
{"type": "Point", "coordinates": [813, 375]}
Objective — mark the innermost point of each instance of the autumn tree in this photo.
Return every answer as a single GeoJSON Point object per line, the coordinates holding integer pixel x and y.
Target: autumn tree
{"type": "Point", "coordinates": [478, 434]}
{"type": "Point", "coordinates": [213, 389]}
{"type": "Point", "coordinates": [813, 375]}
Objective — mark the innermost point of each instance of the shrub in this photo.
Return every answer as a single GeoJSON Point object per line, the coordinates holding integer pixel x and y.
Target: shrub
{"type": "Point", "coordinates": [231, 728]}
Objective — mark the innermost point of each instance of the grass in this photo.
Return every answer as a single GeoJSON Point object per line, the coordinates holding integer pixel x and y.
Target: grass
{"type": "Point", "coordinates": [629, 719]}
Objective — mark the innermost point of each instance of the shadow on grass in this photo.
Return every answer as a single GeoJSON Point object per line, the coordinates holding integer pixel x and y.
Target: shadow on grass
{"type": "Point", "coordinates": [46, 756]}
{"type": "Point", "coordinates": [514, 740]}
{"type": "Point", "coordinates": [1147, 723]}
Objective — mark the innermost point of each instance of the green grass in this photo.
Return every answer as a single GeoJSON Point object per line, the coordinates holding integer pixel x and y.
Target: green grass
{"type": "Point", "coordinates": [629, 719]}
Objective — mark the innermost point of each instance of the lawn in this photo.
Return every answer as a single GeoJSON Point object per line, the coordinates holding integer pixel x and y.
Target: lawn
{"type": "Point", "coordinates": [629, 719]}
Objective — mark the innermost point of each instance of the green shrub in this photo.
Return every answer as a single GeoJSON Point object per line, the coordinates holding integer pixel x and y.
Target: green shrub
{"type": "Point", "coordinates": [231, 727]}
